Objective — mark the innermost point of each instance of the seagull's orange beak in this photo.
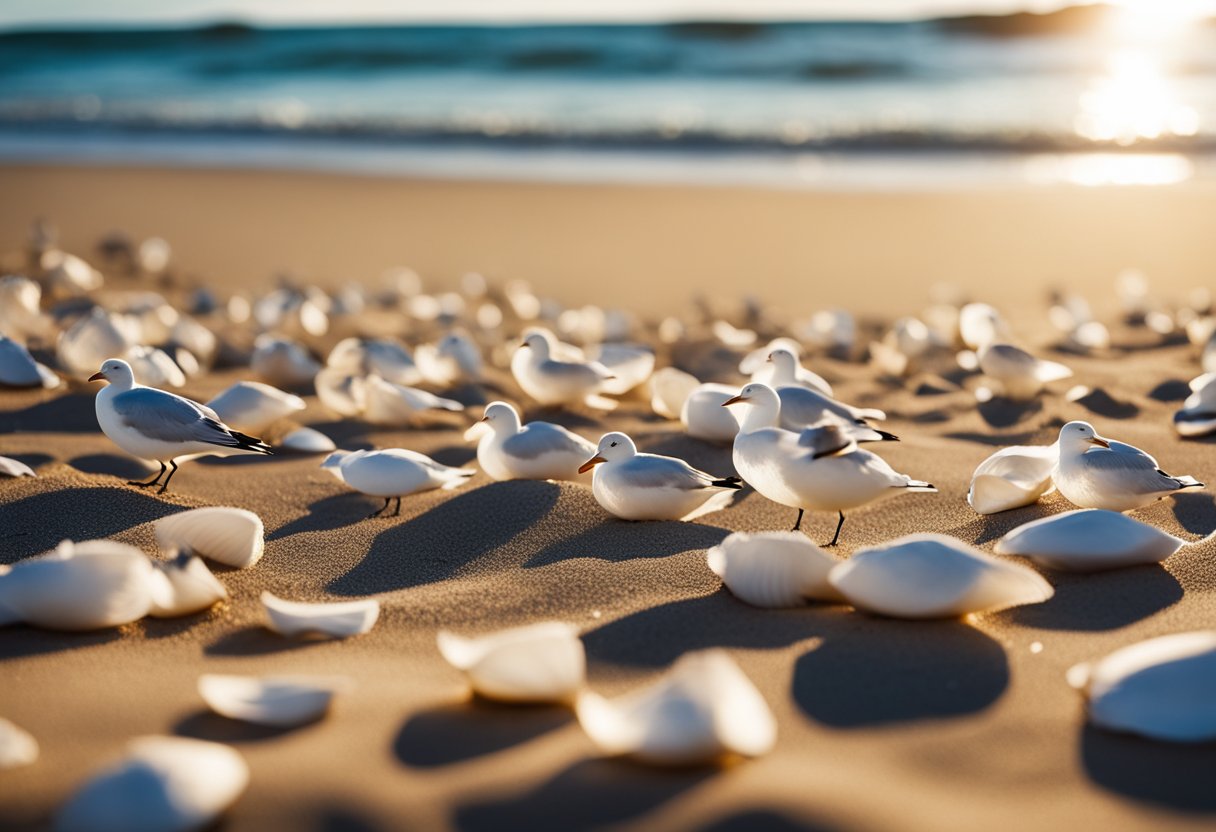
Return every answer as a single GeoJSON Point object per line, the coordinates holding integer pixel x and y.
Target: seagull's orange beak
{"type": "Point", "coordinates": [770, 358]}
{"type": "Point", "coordinates": [97, 377]}
{"type": "Point", "coordinates": [591, 463]}
{"type": "Point", "coordinates": [733, 400]}
{"type": "Point", "coordinates": [1101, 443]}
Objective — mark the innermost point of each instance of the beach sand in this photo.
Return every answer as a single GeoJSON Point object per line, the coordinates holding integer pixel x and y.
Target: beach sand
{"type": "Point", "coordinates": [882, 724]}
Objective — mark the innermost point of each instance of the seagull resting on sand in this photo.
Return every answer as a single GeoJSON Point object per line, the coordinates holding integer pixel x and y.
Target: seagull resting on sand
{"type": "Point", "coordinates": [1095, 472]}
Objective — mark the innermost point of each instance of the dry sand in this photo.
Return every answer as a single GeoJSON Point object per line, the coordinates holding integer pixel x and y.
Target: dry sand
{"type": "Point", "coordinates": [883, 724]}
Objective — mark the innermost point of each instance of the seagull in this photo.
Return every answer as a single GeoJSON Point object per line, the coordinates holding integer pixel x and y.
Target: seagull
{"type": "Point", "coordinates": [161, 426]}
{"type": "Point", "coordinates": [634, 486]}
{"type": "Point", "coordinates": [796, 409]}
{"type": "Point", "coordinates": [554, 383]}
{"type": "Point", "coordinates": [1020, 375]}
{"type": "Point", "coordinates": [535, 451]}
{"type": "Point", "coordinates": [819, 469]}
{"type": "Point", "coordinates": [788, 372]}
{"type": "Point", "coordinates": [1095, 472]}
{"type": "Point", "coordinates": [393, 473]}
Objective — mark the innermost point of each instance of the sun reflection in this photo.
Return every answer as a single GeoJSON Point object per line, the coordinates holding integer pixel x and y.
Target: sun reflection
{"type": "Point", "coordinates": [1134, 101]}
{"type": "Point", "coordinates": [1097, 169]}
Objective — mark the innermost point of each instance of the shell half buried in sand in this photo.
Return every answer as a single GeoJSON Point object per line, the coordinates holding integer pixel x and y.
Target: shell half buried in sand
{"type": "Point", "coordinates": [183, 586]}
{"type": "Point", "coordinates": [231, 536]}
{"type": "Point", "coordinates": [14, 468]}
{"type": "Point", "coordinates": [538, 663]}
{"type": "Point", "coordinates": [17, 746]}
{"type": "Point", "coordinates": [162, 783]}
{"type": "Point", "coordinates": [308, 441]}
{"type": "Point", "coordinates": [1013, 477]}
{"type": "Point", "coordinates": [336, 620]}
{"type": "Point", "coordinates": [78, 586]}
{"type": "Point", "coordinates": [1160, 688]}
{"type": "Point", "coordinates": [251, 407]}
{"type": "Point", "coordinates": [702, 710]}
{"type": "Point", "coordinates": [934, 576]}
{"type": "Point", "coordinates": [1088, 540]}
{"type": "Point", "coordinates": [773, 569]}
{"type": "Point", "coordinates": [277, 701]}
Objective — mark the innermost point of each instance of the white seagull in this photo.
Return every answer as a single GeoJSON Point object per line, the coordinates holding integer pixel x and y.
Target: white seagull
{"type": "Point", "coordinates": [788, 372]}
{"type": "Point", "coordinates": [1018, 373]}
{"type": "Point", "coordinates": [535, 451]}
{"type": "Point", "coordinates": [1095, 472]}
{"type": "Point", "coordinates": [156, 425]}
{"type": "Point", "coordinates": [821, 469]}
{"type": "Point", "coordinates": [554, 383]}
{"type": "Point", "coordinates": [393, 473]}
{"type": "Point", "coordinates": [634, 486]}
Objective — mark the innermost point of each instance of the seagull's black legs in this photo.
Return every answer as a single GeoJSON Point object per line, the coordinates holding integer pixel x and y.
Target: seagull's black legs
{"type": "Point", "coordinates": [798, 522]}
{"type": "Point", "coordinates": [150, 482]}
{"type": "Point", "coordinates": [165, 484]}
{"type": "Point", "coordinates": [836, 536]}
{"type": "Point", "coordinates": [383, 508]}
{"type": "Point", "coordinates": [397, 508]}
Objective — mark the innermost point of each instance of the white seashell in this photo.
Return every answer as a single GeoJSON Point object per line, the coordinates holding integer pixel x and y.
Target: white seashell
{"type": "Point", "coordinates": [153, 255]}
{"type": "Point", "coordinates": [703, 709]}
{"type": "Point", "coordinates": [14, 468]}
{"type": "Point", "coordinates": [386, 358]}
{"type": "Point", "coordinates": [1013, 477]}
{"type": "Point", "coordinates": [1088, 540]}
{"type": "Point", "coordinates": [21, 309]}
{"type": "Point", "coordinates": [17, 746]}
{"type": "Point", "coordinates": [773, 569]}
{"type": "Point", "coordinates": [154, 367]}
{"type": "Point", "coordinates": [271, 700]}
{"type": "Point", "coordinates": [934, 576]}
{"type": "Point", "coordinates": [730, 336]}
{"type": "Point", "coordinates": [231, 536]}
{"type": "Point", "coordinates": [70, 275]}
{"type": "Point", "coordinates": [17, 367]}
{"type": "Point", "coordinates": [90, 341]}
{"type": "Point", "coordinates": [251, 407]}
{"type": "Point", "coordinates": [78, 586]}
{"type": "Point", "coordinates": [342, 392]}
{"type": "Point", "coordinates": [630, 365]}
{"type": "Point", "coordinates": [183, 586]}
{"type": "Point", "coordinates": [196, 338]}
{"type": "Point", "coordinates": [308, 441]}
{"type": "Point", "coordinates": [669, 389]}
{"type": "Point", "coordinates": [704, 417]}
{"type": "Point", "coordinates": [162, 784]}
{"type": "Point", "coordinates": [394, 405]}
{"type": "Point", "coordinates": [980, 324]}
{"type": "Point", "coordinates": [538, 663]}
{"type": "Point", "coordinates": [830, 329]}
{"type": "Point", "coordinates": [337, 620]}
{"type": "Point", "coordinates": [282, 362]}
{"type": "Point", "coordinates": [1198, 414]}
{"type": "Point", "coordinates": [1160, 688]}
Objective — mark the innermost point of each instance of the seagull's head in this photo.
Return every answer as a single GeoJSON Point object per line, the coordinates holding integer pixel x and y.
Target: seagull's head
{"type": "Point", "coordinates": [116, 371]}
{"type": "Point", "coordinates": [1081, 436]}
{"type": "Point", "coordinates": [613, 446]}
{"type": "Point", "coordinates": [783, 359]}
{"type": "Point", "coordinates": [754, 393]}
{"type": "Point", "coordinates": [333, 463]}
{"type": "Point", "coordinates": [536, 342]}
{"type": "Point", "coordinates": [501, 415]}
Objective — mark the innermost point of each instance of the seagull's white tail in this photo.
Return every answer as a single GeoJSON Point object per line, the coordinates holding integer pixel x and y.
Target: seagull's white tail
{"type": "Point", "coordinates": [601, 403]}
{"type": "Point", "coordinates": [869, 413]}
{"type": "Point", "coordinates": [1046, 371]}
{"type": "Point", "coordinates": [1188, 482]}
{"type": "Point", "coordinates": [715, 503]}
{"type": "Point", "coordinates": [922, 487]}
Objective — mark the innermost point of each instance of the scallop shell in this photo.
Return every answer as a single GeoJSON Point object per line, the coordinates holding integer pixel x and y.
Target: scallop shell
{"type": "Point", "coordinates": [337, 620]}
{"type": "Point", "coordinates": [14, 468]}
{"type": "Point", "coordinates": [1160, 688]}
{"type": "Point", "coordinates": [773, 569]}
{"type": "Point", "coordinates": [251, 407]}
{"type": "Point", "coordinates": [279, 701]}
{"type": "Point", "coordinates": [154, 367]}
{"type": "Point", "coordinates": [934, 576]}
{"type": "Point", "coordinates": [307, 441]}
{"type": "Point", "coordinates": [539, 663]}
{"type": "Point", "coordinates": [231, 536]}
{"type": "Point", "coordinates": [703, 709]}
{"type": "Point", "coordinates": [90, 341]}
{"type": "Point", "coordinates": [184, 586]}
{"type": "Point", "coordinates": [342, 392]}
{"type": "Point", "coordinates": [17, 746]}
{"type": "Point", "coordinates": [17, 367]}
{"type": "Point", "coordinates": [1088, 540]}
{"type": "Point", "coordinates": [167, 784]}
{"type": "Point", "coordinates": [1013, 477]}
{"type": "Point", "coordinates": [78, 586]}
{"type": "Point", "coordinates": [704, 417]}
{"type": "Point", "coordinates": [669, 389]}
{"type": "Point", "coordinates": [282, 362]}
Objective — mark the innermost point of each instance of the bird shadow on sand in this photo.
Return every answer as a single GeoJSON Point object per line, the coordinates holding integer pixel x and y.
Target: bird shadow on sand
{"type": "Point", "coordinates": [995, 440]}
{"type": "Point", "coordinates": [1173, 390]}
{"type": "Point", "coordinates": [207, 725]}
{"type": "Point", "coordinates": [114, 465]}
{"type": "Point", "coordinates": [876, 671]}
{"type": "Point", "coordinates": [69, 413]}
{"type": "Point", "coordinates": [19, 642]}
{"type": "Point", "coordinates": [764, 820]}
{"type": "Point", "coordinates": [590, 793]}
{"type": "Point", "coordinates": [1177, 776]}
{"type": "Point", "coordinates": [458, 531]}
{"type": "Point", "coordinates": [1101, 403]}
{"type": "Point", "coordinates": [988, 527]}
{"type": "Point", "coordinates": [707, 456]}
{"type": "Point", "coordinates": [1195, 512]}
{"type": "Point", "coordinates": [1005, 413]}
{"type": "Point", "coordinates": [622, 540]}
{"type": "Point", "coordinates": [454, 733]}
{"type": "Point", "coordinates": [328, 513]}
{"type": "Point", "coordinates": [258, 641]}
{"type": "Point", "coordinates": [1100, 601]}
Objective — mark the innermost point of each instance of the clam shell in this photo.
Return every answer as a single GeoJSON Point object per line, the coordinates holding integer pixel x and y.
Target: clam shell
{"type": "Point", "coordinates": [773, 569]}
{"type": "Point", "coordinates": [1160, 688]}
{"type": "Point", "coordinates": [704, 417]}
{"type": "Point", "coordinates": [17, 367]}
{"type": "Point", "coordinates": [539, 663]}
{"type": "Point", "coordinates": [78, 586]}
{"type": "Point", "coordinates": [337, 620]}
{"type": "Point", "coordinates": [17, 746]}
{"type": "Point", "coordinates": [162, 784]}
{"type": "Point", "coordinates": [279, 701]}
{"type": "Point", "coordinates": [307, 441]}
{"type": "Point", "coordinates": [669, 389]}
{"type": "Point", "coordinates": [251, 407]}
{"type": "Point", "coordinates": [183, 586]}
{"type": "Point", "coordinates": [89, 342]}
{"type": "Point", "coordinates": [1087, 540]}
{"type": "Point", "coordinates": [934, 576]}
{"type": "Point", "coordinates": [14, 468]}
{"type": "Point", "coordinates": [703, 709]}
{"type": "Point", "coordinates": [282, 362]}
{"type": "Point", "coordinates": [1013, 477]}
{"type": "Point", "coordinates": [342, 392]}
{"type": "Point", "coordinates": [231, 536]}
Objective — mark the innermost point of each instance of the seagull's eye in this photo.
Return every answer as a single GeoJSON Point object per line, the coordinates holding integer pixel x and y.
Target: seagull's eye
{"type": "Point", "coordinates": [613, 445]}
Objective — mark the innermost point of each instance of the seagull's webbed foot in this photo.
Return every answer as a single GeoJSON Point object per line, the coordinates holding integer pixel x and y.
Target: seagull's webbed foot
{"type": "Point", "coordinates": [836, 536]}
{"type": "Point", "coordinates": [165, 485]}
{"type": "Point", "coordinates": [381, 510]}
{"type": "Point", "coordinates": [151, 482]}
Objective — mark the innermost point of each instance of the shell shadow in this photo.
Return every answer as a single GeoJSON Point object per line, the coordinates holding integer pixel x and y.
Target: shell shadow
{"type": "Point", "coordinates": [32, 460]}
{"type": "Point", "coordinates": [988, 527]}
{"type": "Point", "coordinates": [69, 413]}
{"type": "Point", "coordinates": [883, 671]}
{"type": "Point", "coordinates": [1100, 601]}
{"type": "Point", "coordinates": [207, 725]}
{"type": "Point", "coordinates": [1174, 775]}
{"type": "Point", "coordinates": [590, 793]}
{"type": "Point", "coordinates": [18, 642]}
{"type": "Point", "coordinates": [997, 440]}
{"type": "Point", "coordinates": [1195, 512]}
{"type": "Point", "coordinates": [1003, 413]}
{"type": "Point", "coordinates": [258, 641]}
{"type": "Point", "coordinates": [622, 540]}
{"type": "Point", "coordinates": [764, 820]}
{"type": "Point", "coordinates": [114, 465]}
{"type": "Point", "coordinates": [458, 531]}
{"type": "Point", "coordinates": [455, 733]}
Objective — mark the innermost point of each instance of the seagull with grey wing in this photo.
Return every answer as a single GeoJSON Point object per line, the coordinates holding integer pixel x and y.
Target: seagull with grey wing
{"type": "Point", "coordinates": [156, 425]}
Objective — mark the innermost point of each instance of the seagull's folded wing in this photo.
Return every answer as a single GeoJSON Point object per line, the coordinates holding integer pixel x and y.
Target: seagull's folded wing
{"type": "Point", "coordinates": [168, 418]}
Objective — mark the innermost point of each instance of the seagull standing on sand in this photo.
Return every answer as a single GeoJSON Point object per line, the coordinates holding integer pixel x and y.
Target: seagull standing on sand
{"type": "Point", "coordinates": [788, 372]}
{"type": "Point", "coordinates": [555, 383]}
{"type": "Point", "coordinates": [393, 473]}
{"type": "Point", "coordinates": [535, 451]}
{"type": "Point", "coordinates": [157, 425]}
{"type": "Point", "coordinates": [821, 469]}
{"type": "Point", "coordinates": [634, 486]}
{"type": "Point", "coordinates": [1095, 472]}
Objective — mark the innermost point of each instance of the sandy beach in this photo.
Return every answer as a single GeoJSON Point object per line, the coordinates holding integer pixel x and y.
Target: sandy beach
{"type": "Point", "coordinates": [883, 724]}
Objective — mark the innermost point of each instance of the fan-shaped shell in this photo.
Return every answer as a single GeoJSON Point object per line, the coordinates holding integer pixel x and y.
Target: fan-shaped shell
{"type": "Point", "coordinates": [162, 784]}
{"type": "Point", "coordinates": [703, 709]}
{"type": "Point", "coordinates": [704, 417]}
{"type": "Point", "coordinates": [307, 441]}
{"type": "Point", "coordinates": [17, 746]}
{"type": "Point", "coordinates": [669, 389]}
{"type": "Point", "coordinates": [183, 586]}
{"type": "Point", "coordinates": [1013, 477]}
{"type": "Point", "coordinates": [773, 569]}
{"type": "Point", "coordinates": [342, 392]}
{"type": "Point", "coordinates": [337, 620]}
{"type": "Point", "coordinates": [1160, 688]}
{"type": "Point", "coordinates": [89, 342]}
{"type": "Point", "coordinates": [271, 700]}
{"type": "Point", "coordinates": [1088, 540]}
{"type": "Point", "coordinates": [231, 536]}
{"type": "Point", "coordinates": [539, 663]}
{"type": "Point", "coordinates": [934, 576]}
{"type": "Point", "coordinates": [251, 407]}
{"type": "Point", "coordinates": [14, 468]}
